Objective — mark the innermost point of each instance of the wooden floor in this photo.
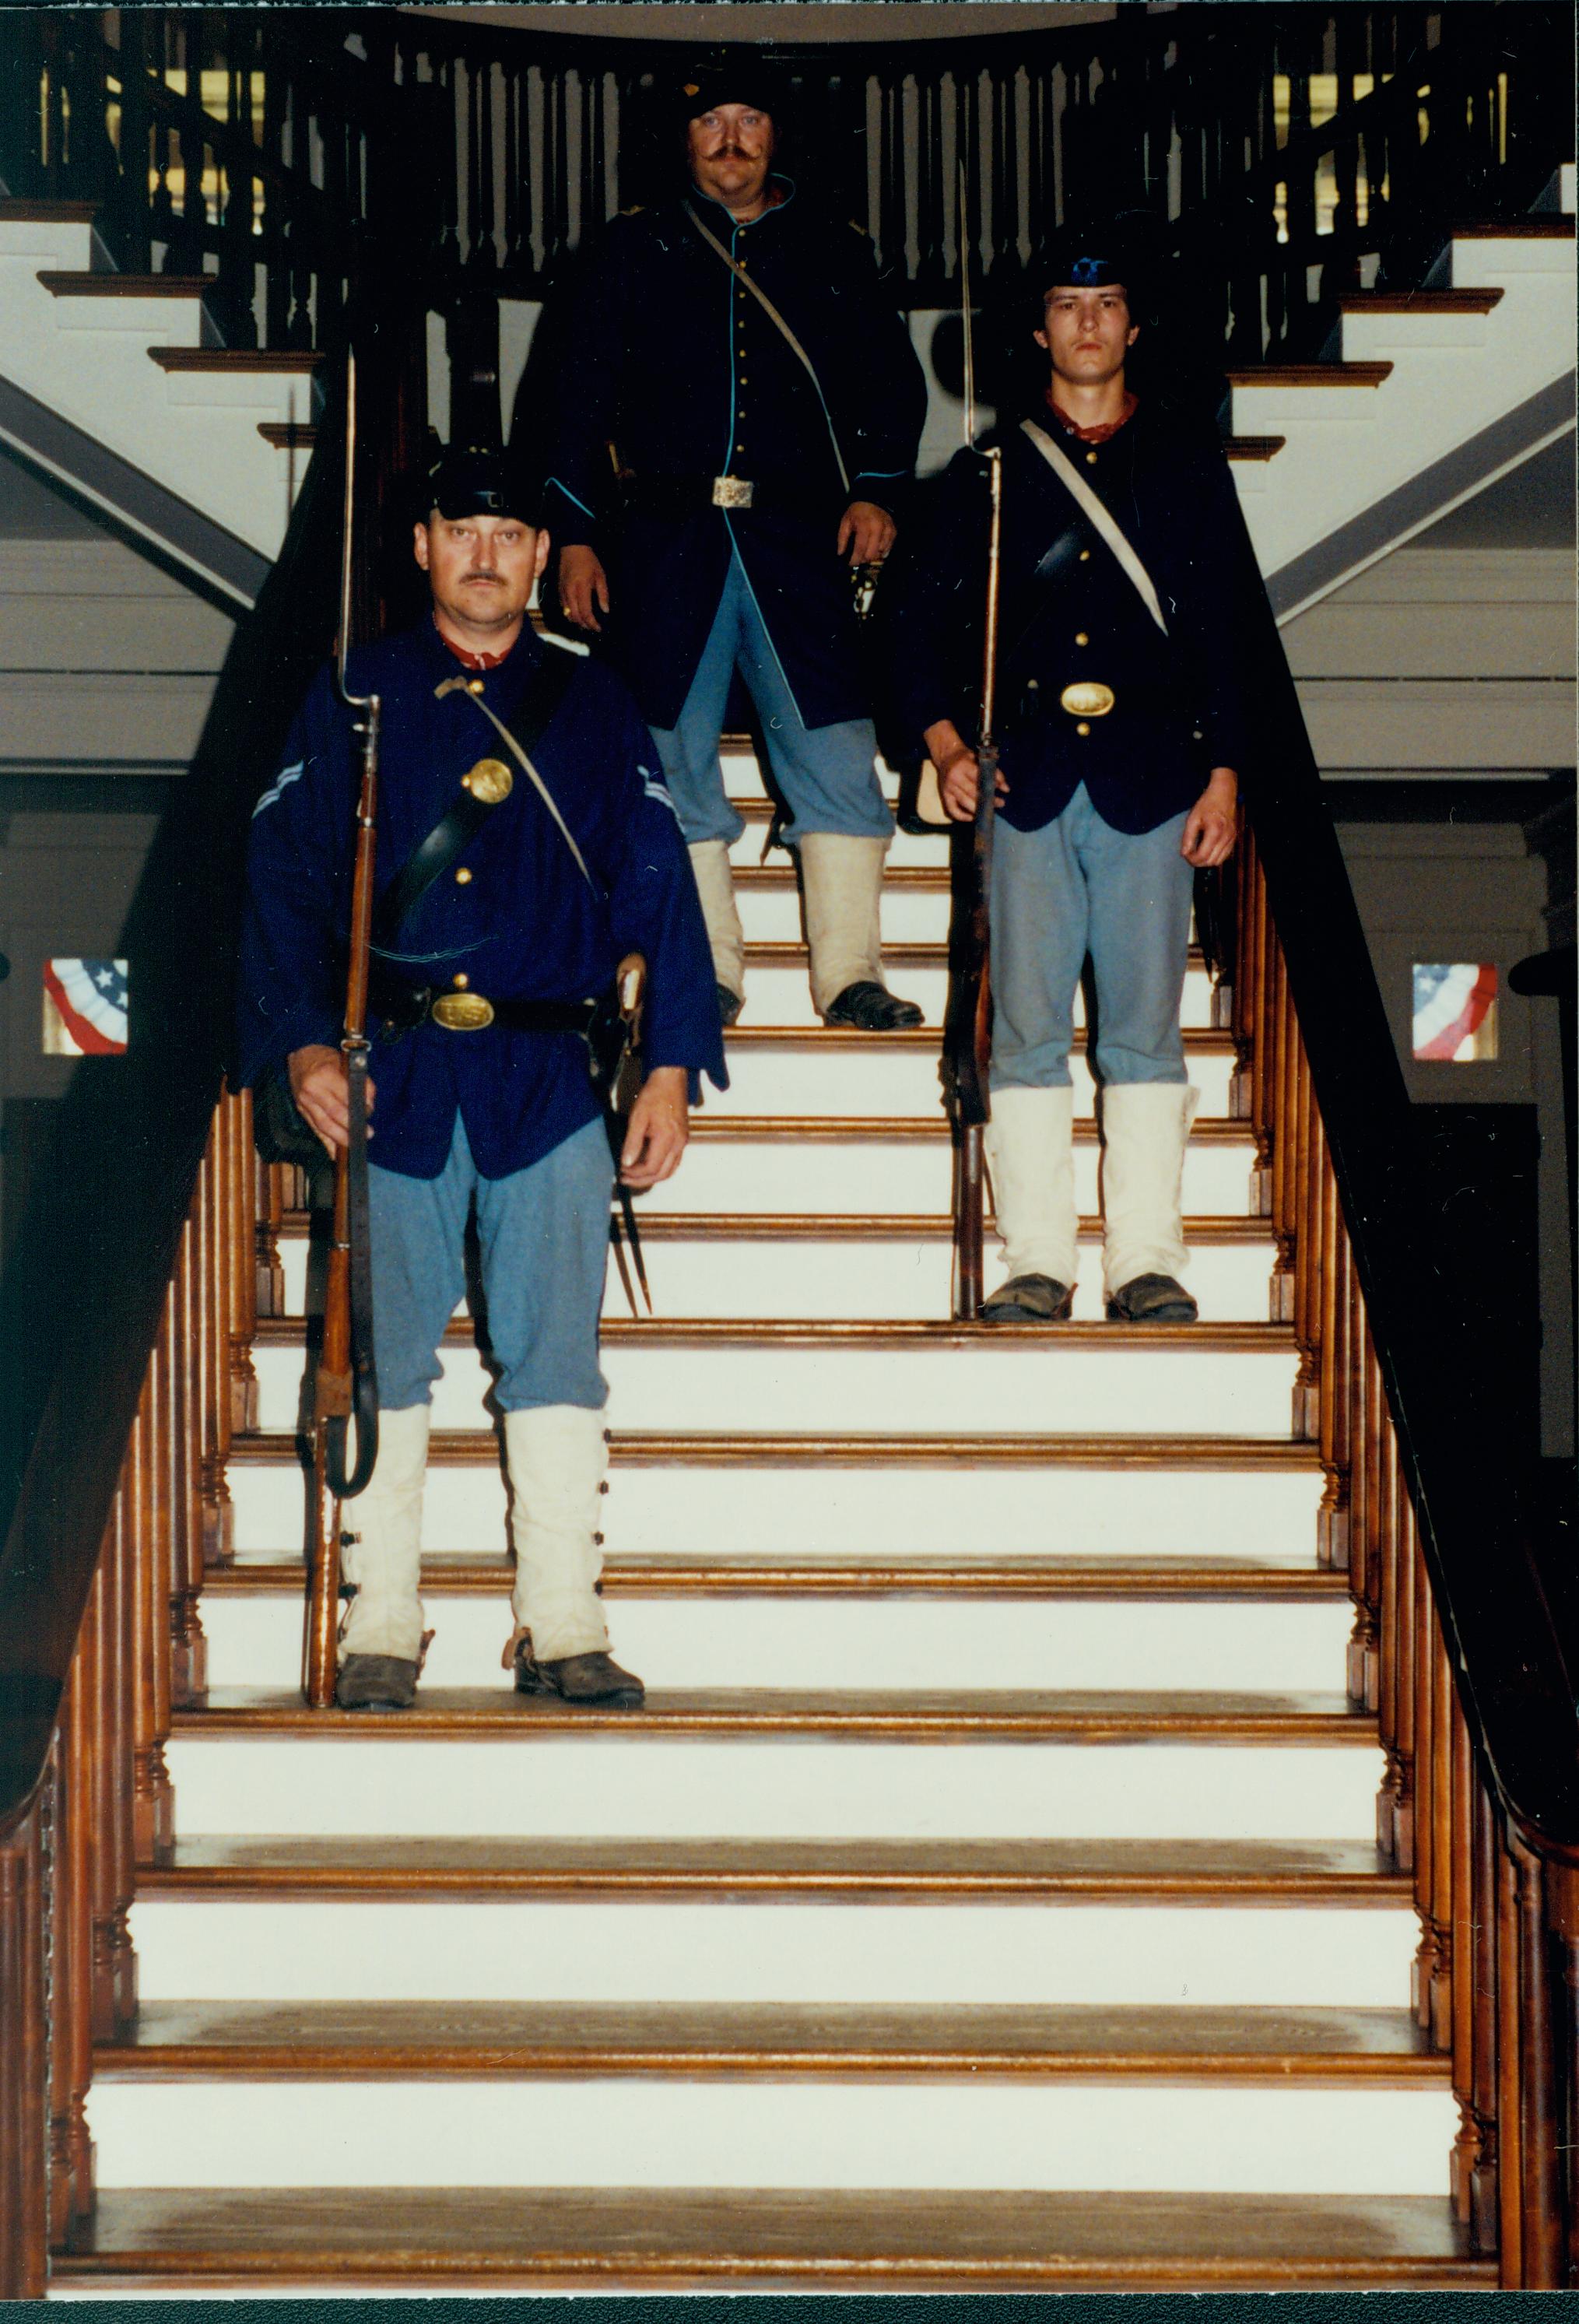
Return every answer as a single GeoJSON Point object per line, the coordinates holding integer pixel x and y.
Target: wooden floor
{"type": "Point", "coordinates": [672, 2239]}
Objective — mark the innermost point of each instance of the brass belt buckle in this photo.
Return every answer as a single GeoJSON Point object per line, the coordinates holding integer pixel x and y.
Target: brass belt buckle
{"type": "Point", "coordinates": [730, 492]}
{"type": "Point", "coordinates": [462, 1012]}
{"type": "Point", "coordinates": [1087, 698]}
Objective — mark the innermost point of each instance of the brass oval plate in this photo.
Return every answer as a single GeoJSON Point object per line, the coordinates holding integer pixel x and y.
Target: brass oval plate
{"type": "Point", "coordinates": [462, 1012]}
{"type": "Point", "coordinates": [1087, 698]}
{"type": "Point", "coordinates": [489, 780]}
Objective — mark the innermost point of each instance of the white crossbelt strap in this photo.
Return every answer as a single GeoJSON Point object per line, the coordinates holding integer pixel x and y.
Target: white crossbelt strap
{"type": "Point", "coordinates": [780, 325]}
{"type": "Point", "coordinates": [1092, 506]}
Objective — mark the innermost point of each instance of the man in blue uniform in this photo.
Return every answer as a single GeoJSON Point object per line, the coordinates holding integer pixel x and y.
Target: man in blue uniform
{"type": "Point", "coordinates": [526, 844]}
{"type": "Point", "coordinates": [733, 358]}
{"type": "Point", "coordinates": [1123, 572]}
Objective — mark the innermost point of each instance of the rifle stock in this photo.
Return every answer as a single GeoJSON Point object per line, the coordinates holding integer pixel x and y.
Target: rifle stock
{"type": "Point", "coordinates": [967, 1036]}
{"type": "Point", "coordinates": [346, 1384]}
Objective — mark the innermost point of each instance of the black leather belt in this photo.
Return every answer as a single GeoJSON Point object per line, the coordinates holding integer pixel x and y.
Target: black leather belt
{"type": "Point", "coordinates": [405, 1007]}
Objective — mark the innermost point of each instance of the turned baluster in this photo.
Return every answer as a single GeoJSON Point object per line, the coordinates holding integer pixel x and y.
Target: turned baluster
{"type": "Point", "coordinates": [1482, 2190]}
{"type": "Point", "coordinates": [1444, 1965]}
{"type": "Point", "coordinates": [73, 1997]}
{"type": "Point", "coordinates": [1388, 1660]}
{"type": "Point", "coordinates": [115, 1998]}
{"type": "Point", "coordinates": [1562, 1895]}
{"type": "Point", "coordinates": [1362, 1513]}
{"type": "Point", "coordinates": [274, 1184]}
{"type": "Point", "coordinates": [1410, 1600]}
{"type": "Point", "coordinates": [1467, 2148]}
{"type": "Point", "coordinates": [189, 1672]}
{"type": "Point", "coordinates": [240, 1244]}
{"type": "Point", "coordinates": [146, 1548]}
{"type": "Point", "coordinates": [1424, 1780]}
{"type": "Point", "coordinates": [212, 1369]}
{"type": "Point", "coordinates": [1509, 2060]}
{"type": "Point", "coordinates": [1336, 1364]}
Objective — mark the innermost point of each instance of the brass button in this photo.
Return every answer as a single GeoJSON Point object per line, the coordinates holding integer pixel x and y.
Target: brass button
{"type": "Point", "coordinates": [1082, 728]}
{"type": "Point", "coordinates": [462, 877]}
{"type": "Point", "coordinates": [474, 686]}
{"type": "Point", "coordinates": [1085, 557]}
{"type": "Point", "coordinates": [1091, 459]}
{"type": "Point", "coordinates": [461, 982]}
{"type": "Point", "coordinates": [1081, 639]}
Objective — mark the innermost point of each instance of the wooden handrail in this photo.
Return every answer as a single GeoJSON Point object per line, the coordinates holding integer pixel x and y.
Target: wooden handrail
{"type": "Point", "coordinates": [1172, 115]}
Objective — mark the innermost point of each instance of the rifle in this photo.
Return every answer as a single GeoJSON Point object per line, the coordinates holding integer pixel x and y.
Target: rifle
{"type": "Point", "coordinates": [967, 1024]}
{"type": "Point", "coordinates": [345, 1383]}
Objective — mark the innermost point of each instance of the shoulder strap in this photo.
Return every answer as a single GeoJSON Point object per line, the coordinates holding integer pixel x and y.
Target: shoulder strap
{"type": "Point", "coordinates": [454, 832]}
{"type": "Point", "coordinates": [1101, 517]}
{"type": "Point", "coordinates": [780, 325]}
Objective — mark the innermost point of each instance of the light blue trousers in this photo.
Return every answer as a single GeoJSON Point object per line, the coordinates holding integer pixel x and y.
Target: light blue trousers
{"type": "Point", "coordinates": [1077, 886]}
{"type": "Point", "coordinates": [825, 774]}
{"type": "Point", "coordinates": [543, 1236]}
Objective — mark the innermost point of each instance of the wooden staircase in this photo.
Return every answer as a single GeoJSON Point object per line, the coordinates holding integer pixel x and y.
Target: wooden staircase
{"type": "Point", "coordinates": [1012, 1653]}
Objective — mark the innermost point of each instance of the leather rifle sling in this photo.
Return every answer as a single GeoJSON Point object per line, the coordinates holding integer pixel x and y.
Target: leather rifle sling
{"type": "Point", "coordinates": [780, 325]}
{"type": "Point", "coordinates": [1101, 519]}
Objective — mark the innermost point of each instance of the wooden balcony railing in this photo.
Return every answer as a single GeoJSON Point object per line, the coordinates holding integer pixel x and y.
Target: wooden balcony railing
{"type": "Point", "coordinates": [1286, 152]}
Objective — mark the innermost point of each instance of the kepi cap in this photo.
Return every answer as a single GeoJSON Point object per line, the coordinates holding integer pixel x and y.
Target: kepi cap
{"type": "Point", "coordinates": [468, 482]}
{"type": "Point", "coordinates": [737, 77]}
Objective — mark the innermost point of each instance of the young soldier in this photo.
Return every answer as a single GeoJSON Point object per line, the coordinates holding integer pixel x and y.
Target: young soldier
{"type": "Point", "coordinates": [754, 474]}
{"type": "Point", "coordinates": [480, 1100]}
{"type": "Point", "coordinates": [1121, 735]}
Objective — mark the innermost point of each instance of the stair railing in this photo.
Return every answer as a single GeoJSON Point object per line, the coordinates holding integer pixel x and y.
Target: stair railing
{"type": "Point", "coordinates": [1454, 1648]}
{"type": "Point", "coordinates": [1289, 148]}
{"type": "Point", "coordinates": [126, 1319]}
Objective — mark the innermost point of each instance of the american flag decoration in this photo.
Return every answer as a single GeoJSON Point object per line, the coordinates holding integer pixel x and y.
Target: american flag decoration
{"type": "Point", "coordinates": [1455, 1012]}
{"type": "Point", "coordinates": [85, 1008]}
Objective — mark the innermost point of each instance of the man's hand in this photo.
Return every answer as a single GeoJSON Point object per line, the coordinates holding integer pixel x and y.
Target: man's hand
{"type": "Point", "coordinates": [583, 586]}
{"type": "Point", "coordinates": [1211, 826]}
{"type": "Point", "coordinates": [659, 1127]}
{"type": "Point", "coordinates": [958, 775]}
{"type": "Point", "coordinates": [866, 532]}
{"type": "Point", "coordinates": [317, 1083]}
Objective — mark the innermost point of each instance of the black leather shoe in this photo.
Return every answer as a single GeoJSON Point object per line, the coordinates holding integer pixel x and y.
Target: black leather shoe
{"type": "Point", "coordinates": [730, 1004]}
{"type": "Point", "coordinates": [1029, 1299]}
{"type": "Point", "coordinates": [376, 1682]}
{"type": "Point", "coordinates": [1152, 1299]}
{"type": "Point", "coordinates": [579, 1678]}
{"type": "Point", "coordinates": [871, 1008]}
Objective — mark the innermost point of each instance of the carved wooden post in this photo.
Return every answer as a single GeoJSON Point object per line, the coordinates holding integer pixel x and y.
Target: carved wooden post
{"type": "Point", "coordinates": [1445, 1967]}
{"type": "Point", "coordinates": [1425, 1776]}
{"type": "Point", "coordinates": [1466, 2149]}
{"type": "Point", "coordinates": [1387, 1658]}
{"type": "Point", "coordinates": [1410, 1586]}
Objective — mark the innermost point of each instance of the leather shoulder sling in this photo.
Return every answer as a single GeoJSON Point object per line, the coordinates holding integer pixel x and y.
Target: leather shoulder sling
{"type": "Point", "coordinates": [780, 325]}
{"type": "Point", "coordinates": [470, 810]}
{"type": "Point", "coordinates": [1099, 517]}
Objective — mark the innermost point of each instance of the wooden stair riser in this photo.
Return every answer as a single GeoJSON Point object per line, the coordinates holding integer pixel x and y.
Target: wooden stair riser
{"type": "Point", "coordinates": [635, 2133]}
{"type": "Point", "coordinates": [731, 1168]}
{"type": "Point", "coordinates": [855, 1643]}
{"type": "Point", "coordinates": [909, 851]}
{"type": "Point", "coordinates": [312, 1948]}
{"type": "Point", "coordinates": [1029, 1510]}
{"type": "Point", "coordinates": [716, 1276]}
{"type": "Point", "coordinates": [858, 1077]}
{"type": "Point", "coordinates": [993, 1387]}
{"type": "Point", "coordinates": [393, 1780]}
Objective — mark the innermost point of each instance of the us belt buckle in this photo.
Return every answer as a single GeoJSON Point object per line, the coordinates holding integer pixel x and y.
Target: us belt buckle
{"type": "Point", "coordinates": [1088, 698]}
{"type": "Point", "coordinates": [730, 492]}
{"type": "Point", "coordinates": [462, 1012]}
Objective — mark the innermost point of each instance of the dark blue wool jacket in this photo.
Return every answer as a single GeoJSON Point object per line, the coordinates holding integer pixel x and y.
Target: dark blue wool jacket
{"type": "Point", "coordinates": [672, 362]}
{"type": "Point", "coordinates": [525, 926]}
